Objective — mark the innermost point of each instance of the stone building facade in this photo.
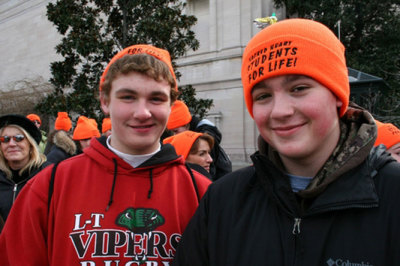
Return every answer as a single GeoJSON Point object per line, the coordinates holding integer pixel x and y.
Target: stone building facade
{"type": "Point", "coordinates": [27, 41]}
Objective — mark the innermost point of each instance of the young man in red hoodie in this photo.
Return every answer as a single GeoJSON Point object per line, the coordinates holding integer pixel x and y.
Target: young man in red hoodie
{"type": "Point", "coordinates": [126, 200]}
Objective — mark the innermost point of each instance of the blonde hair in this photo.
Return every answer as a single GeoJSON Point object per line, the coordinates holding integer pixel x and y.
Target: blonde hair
{"type": "Point", "coordinates": [36, 159]}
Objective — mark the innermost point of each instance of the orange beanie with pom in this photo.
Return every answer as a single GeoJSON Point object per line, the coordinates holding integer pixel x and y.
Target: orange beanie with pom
{"type": "Point", "coordinates": [179, 115]}
{"type": "Point", "coordinates": [388, 134]}
{"type": "Point", "coordinates": [296, 47]}
{"type": "Point", "coordinates": [63, 122]}
{"type": "Point", "coordinates": [85, 129]}
{"type": "Point", "coordinates": [183, 142]}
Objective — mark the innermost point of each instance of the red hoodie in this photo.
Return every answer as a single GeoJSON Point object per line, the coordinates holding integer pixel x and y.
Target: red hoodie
{"type": "Point", "coordinates": [103, 211]}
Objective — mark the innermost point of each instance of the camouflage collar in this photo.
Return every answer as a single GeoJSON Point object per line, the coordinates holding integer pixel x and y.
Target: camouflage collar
{"type": "Point", "coordinates": [357, 137]}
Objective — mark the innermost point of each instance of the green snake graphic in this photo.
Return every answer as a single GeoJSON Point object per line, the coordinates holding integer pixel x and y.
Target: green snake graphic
{"type": "Point", "coordinates": [140, 220]}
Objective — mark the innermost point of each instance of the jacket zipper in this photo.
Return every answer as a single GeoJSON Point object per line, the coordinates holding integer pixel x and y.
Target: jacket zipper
{"type": "Point", "coordinates": [296, 233]}
{"type": "Point", "coordinates": [296, 226]}
{"type": "Point", "coordinates": [14, 192]}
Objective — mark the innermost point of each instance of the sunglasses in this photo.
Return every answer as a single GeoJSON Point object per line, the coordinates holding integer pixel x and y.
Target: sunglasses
{"type": "Point", "coordinates": [16, 138]}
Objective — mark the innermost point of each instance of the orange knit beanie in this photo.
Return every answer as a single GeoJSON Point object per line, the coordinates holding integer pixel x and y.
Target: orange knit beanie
{"type": "Point", "coordinates": [63, 122]}
{"type": "Point", "coordinates": [183, 142]}
{"type": "Point", "coordinates": [297, 47]}
{"type": "Point", "coordinates": [85, 129]}
{"type": "Point", "coordinates": [158, 53]}
{"type": "Point", "coordinates": [106, 125]}
{"type": "Point", "coordinates": [388, 134]}
{"type": "Point", "coordinates": [34, 117]}
{"type": "Point", "coordinates": [179, 115]}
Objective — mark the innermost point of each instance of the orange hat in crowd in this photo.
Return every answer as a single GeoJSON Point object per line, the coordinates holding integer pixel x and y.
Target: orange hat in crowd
{"type": "Point", "coordinates": [158, 53]}
{"type": "Point", "coordinates": [388, 134]}
{"type": "Point", "coordinates": [106, 125]}
{"type": "Point", "coordinates": [63, 122]}
{"type": "Point", "coordinates": [85, 129]}
{"type": "Point", "coordinates": [183, 142]}
{"type": "Point", "coordinates": [34, 117]}
{"type": "Point", "coordinates": [298, 47]}
{"type": "Point", "coordinates": [93, 121]}
{"type": "Point", "coordinates": [179, 115]}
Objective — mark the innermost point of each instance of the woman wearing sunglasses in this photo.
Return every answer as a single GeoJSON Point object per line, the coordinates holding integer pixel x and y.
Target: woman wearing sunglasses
{"type": "Point", "coordinates": [20, 158]}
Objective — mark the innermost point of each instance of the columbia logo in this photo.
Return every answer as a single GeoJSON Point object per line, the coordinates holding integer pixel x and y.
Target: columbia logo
{"type": "Point", "coordinates": [340, 262]}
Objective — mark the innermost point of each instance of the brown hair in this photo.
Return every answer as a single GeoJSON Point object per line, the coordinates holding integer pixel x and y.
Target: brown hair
{"type": "Point", "coordinates": [141, 63]}
{"type": "Point", "coordinates": [195, 147]}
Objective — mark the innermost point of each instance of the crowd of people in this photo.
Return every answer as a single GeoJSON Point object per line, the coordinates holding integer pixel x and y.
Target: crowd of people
{"type": "Point", "coordinates": [155, 187]}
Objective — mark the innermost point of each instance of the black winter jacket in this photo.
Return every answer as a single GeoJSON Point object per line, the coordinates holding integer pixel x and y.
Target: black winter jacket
{"type": "Point", "coordinates": [62, 147]}
{"type": "Point", "coordinates": [10, 189]}
{"type": "Point", "coordinates": [252, 217]}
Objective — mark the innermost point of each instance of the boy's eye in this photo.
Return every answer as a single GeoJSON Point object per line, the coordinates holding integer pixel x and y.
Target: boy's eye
{"type": "Point", "coordinates": [126, 96]}
{"type": "Point", "coordinates": [159, 99]}
{"type": "Point", "coordinates": [261, 96]}
{"type": "Point", "coordinates": [300, 88]}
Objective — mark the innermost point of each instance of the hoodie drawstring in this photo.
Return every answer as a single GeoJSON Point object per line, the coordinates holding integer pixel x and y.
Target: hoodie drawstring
{"type": "Point", "coordinates": [151, 184]}
{"type": "Point", "coordinates": [113, 184]}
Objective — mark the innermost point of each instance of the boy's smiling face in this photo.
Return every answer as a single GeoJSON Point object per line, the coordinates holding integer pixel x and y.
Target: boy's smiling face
{"type": "Point", "coordinates": [139, 107]}
{"type": "Point", "coordinates": [297, 116]}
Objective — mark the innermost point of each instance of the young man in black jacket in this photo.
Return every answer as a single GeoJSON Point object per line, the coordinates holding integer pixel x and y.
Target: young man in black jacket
{"type": "Point", "coordinates": [318, 193]}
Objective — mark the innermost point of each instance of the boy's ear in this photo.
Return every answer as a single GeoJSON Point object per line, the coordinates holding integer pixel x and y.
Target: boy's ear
{"type": "Point", "coordinates": [104, 102]}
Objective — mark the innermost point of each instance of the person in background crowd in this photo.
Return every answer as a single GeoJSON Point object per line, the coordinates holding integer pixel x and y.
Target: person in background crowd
{"type": "Point", "coordinates": [106, 127]}
{"type": "Point", "coordinates": [389, 135]}
{"type": "Point", "coordinates": [318, 192]}
{"type": "Point", "coordinates": [84, 131]}
{"type": "Point", "coordinates": [180, 120]}
{"type": "Point", "coordinates": [60, 141]}
{"type": "Point", "coordinates": [20, 158]}
{"type": "Point", "coordinates": [127, 199]}
{"type": "Point", "coordinates": [195, 148]}
{"type": "Point", "coordinates": [38, 122]}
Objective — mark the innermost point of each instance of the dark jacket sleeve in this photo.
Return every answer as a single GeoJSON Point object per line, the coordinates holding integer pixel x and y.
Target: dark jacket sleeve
{"type": "Point", "coordinates": [56, 155]}
{"type": "Point", "coordinates": [193, 247]}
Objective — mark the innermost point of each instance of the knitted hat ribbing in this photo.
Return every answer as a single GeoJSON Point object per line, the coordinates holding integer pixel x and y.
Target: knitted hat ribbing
{"type": "Point", "coordinates": [158, 53]}
{"type": "Point", "coordinates": [297, 47]}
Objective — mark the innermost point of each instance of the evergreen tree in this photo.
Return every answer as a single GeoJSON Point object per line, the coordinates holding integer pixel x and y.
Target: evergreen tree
{"type": "Point", "coordinates": [94, 30]}
{"type": "Point", "coordinates": [370, 31]}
